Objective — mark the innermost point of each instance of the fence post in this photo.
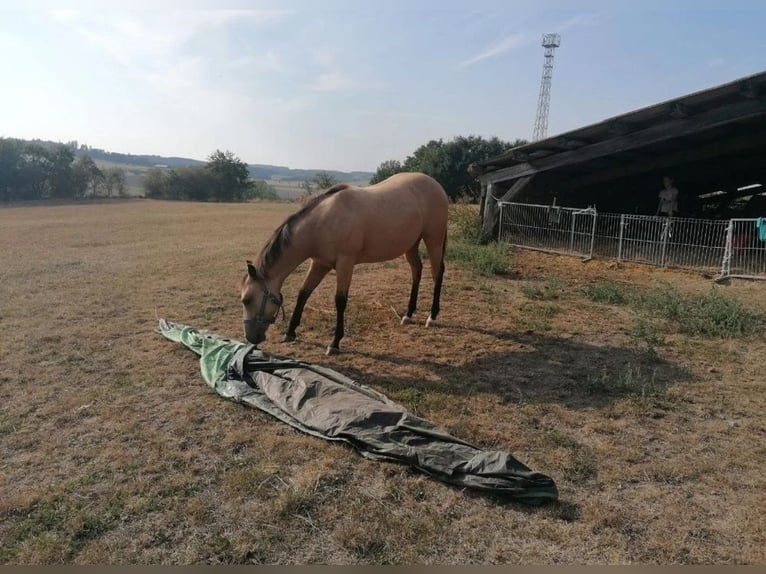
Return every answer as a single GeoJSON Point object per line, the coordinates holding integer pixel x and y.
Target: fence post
{"type": "Point", "coordinates": [572, 232]}
{"type": "Point", "coordinates": [665, 235]}
{"type": "Point", "coordinates": [726, 263]}
{"type": "Point", "coordinates": [593, 233]}
{"type": "Point", "coordinates": [500, 222]}
{"type": "Point", "coordinates": [622, 233]}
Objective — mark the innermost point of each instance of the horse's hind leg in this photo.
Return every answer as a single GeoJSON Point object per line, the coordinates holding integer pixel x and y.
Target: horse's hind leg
{"type": "Point", "coordinates": [436, 248]}
{"type": "Point", "coordinates": [313, 278]}
{"type": "Point", "coordinates": [416, 266]}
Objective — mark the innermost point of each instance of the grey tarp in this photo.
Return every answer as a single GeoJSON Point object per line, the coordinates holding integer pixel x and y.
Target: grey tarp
{"type": "Point", "coordinates": [324, 403]}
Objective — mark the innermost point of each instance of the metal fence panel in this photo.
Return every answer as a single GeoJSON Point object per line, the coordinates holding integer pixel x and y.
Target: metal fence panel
{"type": "Point", "coordinates": [548, 228]}
{"type": "Point", "coordinates": [746, 251]}
{"type": "Point", "coordinates": [673, 242]}
{"type": "Point", "coordinates": [736, 247]}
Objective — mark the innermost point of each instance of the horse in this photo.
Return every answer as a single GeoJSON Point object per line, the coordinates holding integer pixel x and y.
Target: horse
{"type": "Point", "coordinates": [338, 229]}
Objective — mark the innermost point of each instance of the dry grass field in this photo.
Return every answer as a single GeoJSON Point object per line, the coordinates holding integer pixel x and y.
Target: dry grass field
{"type": "Point", "coordinates": [112, 449]}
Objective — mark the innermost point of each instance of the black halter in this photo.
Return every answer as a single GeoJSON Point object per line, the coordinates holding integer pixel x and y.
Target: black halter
{"type": "Point", "coordinates": [260, 318]}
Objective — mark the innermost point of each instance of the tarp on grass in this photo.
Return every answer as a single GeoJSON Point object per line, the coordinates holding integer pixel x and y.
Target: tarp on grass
{"type": "Point", "coordinates": [324, 403]}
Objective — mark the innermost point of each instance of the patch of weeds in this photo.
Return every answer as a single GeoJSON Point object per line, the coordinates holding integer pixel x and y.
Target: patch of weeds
{"type": "Point", "coordinates": [297, 500]}
{"type": "Point", "coordinates": [220, 550]}
{"type": "Point", "coordinates": [547, 292]}
{"type": "Point", "coordinates": [45, 516]}
{"type": "Point", "coordinates": [606, 292]}
{"type": "Point", "coordinates": [411, 398]}
{"type": "Point", "coordinates": [370, 550]}
{"type": "Point", "coordinates": [63, 521]}
{"type": "Point", "coordinates": [93, 526]}
{"type": "Point", "coordinates": [490, 259]}
{"type": "Point", "coordinates": [8, 424]}
{"type": "Point", "coordinates": [465, 223]}
{"type": "Point", "coordinates": [631, 382]}
{"type": "Point", "coordinates": [491, 296]}
{"type": "Point", "coordinates": [467, 245]}
{"type": "Point", "coordinates": [536, 317]}
{"type": "Point", "coordinates": [710, 315]}
{"type": "Point", "coordinates": [546, 310]}
{"type": "Point", "coordinates": [464, 430]}
{"type": "Point", "coordinates": [649, 333]}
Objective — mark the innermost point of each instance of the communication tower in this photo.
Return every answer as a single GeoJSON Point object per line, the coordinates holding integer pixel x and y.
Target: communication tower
{"type": "Point", "coordinates": [550, 43]}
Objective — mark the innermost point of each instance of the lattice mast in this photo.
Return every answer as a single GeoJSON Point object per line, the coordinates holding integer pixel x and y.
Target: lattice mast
{"type": "Point", "coordinates": [550, 43]}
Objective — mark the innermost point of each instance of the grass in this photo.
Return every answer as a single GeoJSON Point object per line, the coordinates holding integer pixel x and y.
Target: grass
{"type": "Point", "coordinates": [550, 290]}
{"type": "Point", "coordinates": [606, 292]}
{"type": "Point", "coordinates": [488, 260]}
{"type": "Point", "coordinates": [632, 383]}
{"type": "Point", "coordinates": [707, 315]}
{"type": "Point", "coordinates": [466, 248]}
{"type": "Point", "coordinates": [113, 450]}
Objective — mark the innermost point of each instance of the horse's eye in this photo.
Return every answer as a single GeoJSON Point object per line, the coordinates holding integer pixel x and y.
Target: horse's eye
{"type": "Point", "coordinates": [246, 302]}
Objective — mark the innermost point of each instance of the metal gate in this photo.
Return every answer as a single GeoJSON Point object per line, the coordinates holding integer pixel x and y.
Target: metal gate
{"type": "Point", "coordinates": [745, 254]}
{"type": "Point", "coordinates": [548, 228]}
{"type": "Point", "coordinates": [735, 247]}
{"type": "Point", "coordinates": [672, 242]}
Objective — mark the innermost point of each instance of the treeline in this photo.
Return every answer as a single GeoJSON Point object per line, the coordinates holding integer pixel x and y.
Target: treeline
{"type": "Point", "coordinates": [223, 178]}
{"type": "Point", "coordinates": [30, 171]}
{"type": "Point", "coordinates": [448, 162]}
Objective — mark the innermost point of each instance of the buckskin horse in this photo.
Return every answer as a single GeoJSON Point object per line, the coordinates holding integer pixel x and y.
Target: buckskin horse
{"type": "Point", "coordinates": [338, 229]}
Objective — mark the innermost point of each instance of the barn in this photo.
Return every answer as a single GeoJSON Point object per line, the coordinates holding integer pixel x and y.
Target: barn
{"type": "Point", "coordinates": [712, 143]}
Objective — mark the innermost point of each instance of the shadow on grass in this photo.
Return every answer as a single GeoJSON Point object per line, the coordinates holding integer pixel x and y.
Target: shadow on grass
{"type": "Point", "coordinates": [541, 369]}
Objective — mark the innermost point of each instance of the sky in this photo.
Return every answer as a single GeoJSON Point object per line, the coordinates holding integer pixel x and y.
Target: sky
{"type": "Point", "coordinates": [346, 85]}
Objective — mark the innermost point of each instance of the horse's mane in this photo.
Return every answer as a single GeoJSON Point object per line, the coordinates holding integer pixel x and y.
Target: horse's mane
{"type": "Point", "coordinates": [282, 235]}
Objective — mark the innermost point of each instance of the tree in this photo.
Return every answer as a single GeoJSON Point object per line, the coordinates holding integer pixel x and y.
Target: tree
{"type": "Point", "coordinates": [448, 162]}
{"type": "Point", "coordinates": [155, 183]}
{"type": "Point", "coordinates": [114, 181]}
{"type": "Point", "coordinates": [87, 175]}
{"type": "Point", "coordinates": [262, 190]}
{"type": "Point", "coordinates": [232, 176]}
{"type": "Point", "coordinates": [11, 167]}
{"type": "Point", "coordinates": [386, 170]}
{"type": "Point", "coordinates": [34, 176]}
{"type": "Point", "coordinates": [61, 178]}
{"type": "Point", "coordinates": [323, 180]}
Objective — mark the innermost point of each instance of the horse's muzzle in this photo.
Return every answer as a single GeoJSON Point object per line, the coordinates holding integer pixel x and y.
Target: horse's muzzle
{"type": "Point", "coordinates": [256, 338]}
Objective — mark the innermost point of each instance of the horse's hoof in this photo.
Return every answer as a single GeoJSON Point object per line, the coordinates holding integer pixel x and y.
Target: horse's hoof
{"type": "Point", "coordinates": [332, 350]}
{"type": "Point", "coordinates": [288, 339]}
{"type": "Point", "coordinates": [430, 321]}
{"type": "Point", "coordinates": [406, 320]}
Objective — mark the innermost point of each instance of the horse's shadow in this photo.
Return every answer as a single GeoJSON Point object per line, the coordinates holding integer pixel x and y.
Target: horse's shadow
{"type": "Point", "coordinates": [540, 368]}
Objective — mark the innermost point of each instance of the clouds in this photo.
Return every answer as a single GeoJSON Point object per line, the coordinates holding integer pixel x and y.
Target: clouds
{"type": "Point", "coordinates": [331, 77]}
{"type": "Point", "coordinates": [349, 85]}
{"type": "Point", "coordinates": [155, 36]}
{"type": "Point", "coordinates": [521, 39]}
{"type": "Point", "coordinates": [505, 45]}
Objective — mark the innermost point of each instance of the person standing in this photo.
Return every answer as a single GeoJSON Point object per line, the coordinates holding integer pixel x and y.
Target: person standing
{"type": "Point", "coordinates": [668, 204]}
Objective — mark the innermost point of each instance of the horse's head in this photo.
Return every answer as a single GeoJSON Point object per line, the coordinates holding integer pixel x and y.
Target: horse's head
{"type": "Point", "coordinates": [259, 305]}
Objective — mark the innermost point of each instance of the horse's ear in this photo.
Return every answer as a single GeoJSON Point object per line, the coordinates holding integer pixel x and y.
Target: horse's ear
{"type": "Point", "coordinates": [251, 270]}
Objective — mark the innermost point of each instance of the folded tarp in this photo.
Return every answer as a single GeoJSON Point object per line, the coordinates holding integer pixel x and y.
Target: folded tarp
{"type": "Point", "coordinates": [324, 403]}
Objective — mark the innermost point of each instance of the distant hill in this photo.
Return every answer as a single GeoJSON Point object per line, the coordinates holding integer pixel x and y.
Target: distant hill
{"type": "Point", "coordinates": [257, 170]}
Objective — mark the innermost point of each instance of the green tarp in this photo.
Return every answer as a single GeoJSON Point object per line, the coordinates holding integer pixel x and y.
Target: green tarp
{"type": "Point", "coordinates": [324, 403]}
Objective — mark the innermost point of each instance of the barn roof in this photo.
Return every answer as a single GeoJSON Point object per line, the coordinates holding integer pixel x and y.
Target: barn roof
{"type": "Point", "coordinates": [713, 136]}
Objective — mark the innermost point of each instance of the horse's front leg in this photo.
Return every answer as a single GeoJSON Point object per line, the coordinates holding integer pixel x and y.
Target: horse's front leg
{"type": "Point", "coordinates": [344, 268]}
{"type": "Point", "coordinates": [314, 277]}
